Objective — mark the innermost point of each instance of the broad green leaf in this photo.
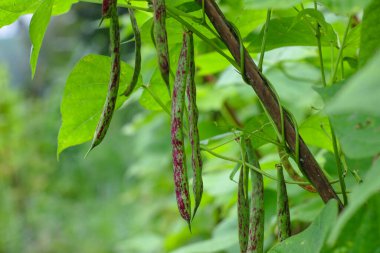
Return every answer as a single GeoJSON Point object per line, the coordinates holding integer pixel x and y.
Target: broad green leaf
{"type": "Point", "coordinates": [361, 233]}
{"type": "Point", "coordinates": [357, 133]}
{"type": "Point", "coordinates": [260, 130]}
{"type": "Point", "coordinates": [290, 31]}
{"type": "Point", "coordinates": [315, 131]}
{"type": "Point", "coordinates": [37, 29]}
{"type": "Point", "coordinates": [312, 239]}
{"type": "Point", "coordinates": [16, 6]}
{"type": "Point", "coordinates": [370, 36]}
{"type": "Point", "coordinates": [84, 96]}
{"type": "Point", "coordinates": [345, 6]}
{"type": "Point", "coordinates": [7, 17]}
{"type": "Point", "coordinates": [274, 4]}
{"type": "Point", "coordinates": [361, 92]}
{"type": "Point", "coordinates": [360, 197]}
{"type": "Point", "coordinates": [157, 91]}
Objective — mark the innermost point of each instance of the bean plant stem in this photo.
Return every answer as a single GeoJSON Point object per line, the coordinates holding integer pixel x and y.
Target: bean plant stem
{"type": "Point", "coordinates": [340, 54]}
{"type": "Point", "coordinates": [318, 36]}
{"type": "Point", "coordinates": [263, 44]}
{"type": "Point", "coordinates": [339, 165]}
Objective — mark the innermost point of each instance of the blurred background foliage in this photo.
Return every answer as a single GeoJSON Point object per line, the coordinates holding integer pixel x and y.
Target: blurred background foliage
{"type": "Point", "coordinates": [120, 198]}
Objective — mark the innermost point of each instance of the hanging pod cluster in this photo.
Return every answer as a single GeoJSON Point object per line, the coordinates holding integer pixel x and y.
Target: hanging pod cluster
{"type": "Point", "coordinates": [184, 84]}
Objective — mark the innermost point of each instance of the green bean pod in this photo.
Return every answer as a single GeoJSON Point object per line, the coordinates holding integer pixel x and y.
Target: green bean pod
{"type": "Point", "coordinates": [113, 87]}
{"type": "Point", "coordinates": [137, 69]}
{"type": "Point", "coordinates": [177, 137]}
{"type": "Point", "coordinates": [196, 158]}
{"type": "Point", "coordinates": [256, 220]}
{"type": "Point", "coordinates": [243, 210]}
{"type": "Point", "coordinates": [161, 39]}
{"type": "Point", "coordinates": [283, 215]}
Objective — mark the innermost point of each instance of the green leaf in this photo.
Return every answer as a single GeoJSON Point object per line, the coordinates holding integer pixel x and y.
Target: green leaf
{"type": "Point", "coordinates": [312, 239]}
{"type": "Point", "coordinates": [316, 131]}
{"type": "Point", "coordinates": [358, 134]}
{"type": "Point", "coordinates": [16, 5]}
{"type": "Point", "coordinates": [84, 96]}
{"type": "Point", "coordinates": [345, 6]}
{"type": "Point", "coordinates": [260, 130]}
{"type": "Point", "coordinates": [291, 31]}
{"type": "Point", "coordinates": [359, 198]}
{"type": "Point", "coordinates": [37, 29]}
{"type": "Point", "coordinates": [370, 36]}
{"type": "Point", "coordinates": [274, 4]}
{"type": "Point", "coordinates": [361, 92]}
{"type": "Point", "coordinates": [157, 90]}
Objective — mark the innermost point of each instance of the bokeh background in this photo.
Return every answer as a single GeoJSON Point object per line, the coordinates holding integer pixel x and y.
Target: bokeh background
{"type": "Point", "coordinates": [120, 198]}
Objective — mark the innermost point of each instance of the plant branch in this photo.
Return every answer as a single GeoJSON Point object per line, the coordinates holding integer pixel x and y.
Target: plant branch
{"type": "Point", "coordinates": [261, 86]}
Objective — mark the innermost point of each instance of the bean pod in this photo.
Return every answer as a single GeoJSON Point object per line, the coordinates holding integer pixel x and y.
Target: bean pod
{"type": "Point", "coordinates": [161, 39]}
{"type": "Point", "coordinates": [137, 69]}
{"type": "Point", "coordinates": [283, 215]}
{"type": "Point", "coordinates": [113, 87]}
{"type": "Point", "coordinates": [243, 210]}
{"type": "Point", "coordinates": [196, 158]}
{"type": "Point", "coordinates": [256, 220]}
{"type": "Point", "coordinates": [177, 136]}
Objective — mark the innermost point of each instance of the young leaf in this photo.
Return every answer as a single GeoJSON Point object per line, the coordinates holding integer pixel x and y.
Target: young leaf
{"type": "Point", "coordinates": [37, 29]}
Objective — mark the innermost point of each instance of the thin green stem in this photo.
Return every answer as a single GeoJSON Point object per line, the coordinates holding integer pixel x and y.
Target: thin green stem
{"type": "Point", "coordinates": [204, 38]}
{"type": "Point", "coordinates": [339, 165]}
{"type": "Point", "coordinates": [263, 44]}
{"type": "Point", "coordinates": [318, 36]}
{"type": "Point", "coordinates": [340, 54]}
{"type": "Point", "coordinates": [203, 148]}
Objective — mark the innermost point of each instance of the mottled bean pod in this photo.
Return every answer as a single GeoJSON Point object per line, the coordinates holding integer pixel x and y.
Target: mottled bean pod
{"type": "Point", "coordinates": [243, 210]}
{"type": "Point", "coordinates": [196, 158]}
{"type": "Point", "coordinates": [177, 136]}
{"type": "Point", "coordinates": [283, 215]}
{"type": "Point", "coordinates": [256, 228]}
{"type": "Point", "coordinates": [113, 87]}
{"type": "Point", "coordinates": [106, 8]}
{"type": "Point", "coordinates": [161, 39]}
{"type": "Point", "coordinates": [137, 69]}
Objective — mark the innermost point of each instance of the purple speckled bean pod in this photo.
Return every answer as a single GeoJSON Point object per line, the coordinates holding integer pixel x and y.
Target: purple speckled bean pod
{"type": "Point", "coordinates": [256, 228]}
{"type": "Point", "coordinates": [283, 215]}
{"type": "Point", "coordinates": [243, 210]}
{"type": "Point", "coordinates": [113, 87]}
{"type": "Point", "coordinates": [196, 158]}
{"type": "Point", "coordinates": [161, 39]}
{"type": "Point", "coordinates": [177, 136]}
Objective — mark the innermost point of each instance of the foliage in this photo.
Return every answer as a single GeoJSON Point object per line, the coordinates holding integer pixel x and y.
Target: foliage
{"type": "Point", "coordinates": [121, 198]}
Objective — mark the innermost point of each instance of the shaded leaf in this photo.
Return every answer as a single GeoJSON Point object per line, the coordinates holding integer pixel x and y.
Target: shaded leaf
{"type": "Point", "coordinates": [312, 239]}
{"type": "Point", "coordinates": [370, 36]}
